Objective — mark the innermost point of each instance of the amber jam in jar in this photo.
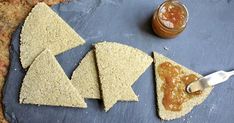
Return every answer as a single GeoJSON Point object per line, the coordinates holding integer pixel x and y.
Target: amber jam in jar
{"type": "Point", "coordinates": [170, 19]}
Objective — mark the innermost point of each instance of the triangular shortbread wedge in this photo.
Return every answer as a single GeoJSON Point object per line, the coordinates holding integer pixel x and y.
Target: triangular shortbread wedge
{"type": "Point", "coordinates": [119, 66]}
{"type": "Point", "coordinates": [168, 109]}
{"type": "Point", "coordinates": [46, 83]}
{"type": "Point", "coordinates": [42, 29]}
{"type": "Point", "coordinates": [85, 77]}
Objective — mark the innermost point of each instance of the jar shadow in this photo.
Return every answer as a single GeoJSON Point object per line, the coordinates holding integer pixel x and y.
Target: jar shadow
{"type": "Point", "coordinates": [146, 27]}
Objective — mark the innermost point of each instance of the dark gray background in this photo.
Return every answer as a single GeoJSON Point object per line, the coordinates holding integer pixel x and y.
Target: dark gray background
{"type": "Point", "coordinates": [205, 46]}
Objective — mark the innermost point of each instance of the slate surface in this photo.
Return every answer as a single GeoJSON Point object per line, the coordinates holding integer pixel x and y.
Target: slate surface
{"type": "Point", "coordinates": [205, 46]}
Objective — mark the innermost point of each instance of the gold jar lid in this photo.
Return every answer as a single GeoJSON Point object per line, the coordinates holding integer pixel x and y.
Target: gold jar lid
{"type": "Point", "coordinates": [170, 19]}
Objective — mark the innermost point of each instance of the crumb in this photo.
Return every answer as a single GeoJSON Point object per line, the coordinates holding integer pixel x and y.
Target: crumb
{"type": "Point", "coordinates": [15, 69]}
{"type": "Point", "coordinates": [165, 48]}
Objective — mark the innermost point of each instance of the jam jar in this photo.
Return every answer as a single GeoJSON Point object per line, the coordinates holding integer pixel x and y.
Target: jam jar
{"type": "Point", "coordinates": [170, 19]}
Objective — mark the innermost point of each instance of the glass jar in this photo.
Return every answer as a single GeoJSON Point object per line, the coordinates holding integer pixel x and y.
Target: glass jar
{"type": "Point", "coordinates": [170, 19]}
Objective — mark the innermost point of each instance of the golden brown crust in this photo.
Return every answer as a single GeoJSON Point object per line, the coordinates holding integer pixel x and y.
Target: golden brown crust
{"type": "Point", "coordinates": [12, 13]}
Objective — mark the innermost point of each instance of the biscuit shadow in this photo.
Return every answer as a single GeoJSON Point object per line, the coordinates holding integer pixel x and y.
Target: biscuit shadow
{"type": "Point", "coordinates": [100, 102]}
{"type": "Point", "coordinates": [155, 87]}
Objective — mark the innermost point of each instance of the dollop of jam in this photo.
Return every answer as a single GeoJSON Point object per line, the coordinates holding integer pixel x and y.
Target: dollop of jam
{"type": "Point", "coordinates": [172, 16]}
{"type": "Point", "coordinates": [174, 86]}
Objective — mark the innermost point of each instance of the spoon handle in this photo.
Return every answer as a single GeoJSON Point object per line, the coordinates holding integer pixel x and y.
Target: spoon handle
{"type": "Point", "coordinates": [231, 73]}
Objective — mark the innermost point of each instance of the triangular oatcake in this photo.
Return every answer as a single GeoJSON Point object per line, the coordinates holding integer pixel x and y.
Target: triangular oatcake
{"type": "Point", "coordinates": [85, 77]}
{"type": "Point", "coordinates": [42, 29]}
{"type": "Point", "coordinates": [46, 83]}
{"type": "Point", "coordinates": [119, 66]}
{"type": "Point", "coordinates": [167, 109]}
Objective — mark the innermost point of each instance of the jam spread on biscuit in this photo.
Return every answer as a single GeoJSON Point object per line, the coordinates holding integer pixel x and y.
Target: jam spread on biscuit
{"type": "Point", "coordinates": [174, 85]}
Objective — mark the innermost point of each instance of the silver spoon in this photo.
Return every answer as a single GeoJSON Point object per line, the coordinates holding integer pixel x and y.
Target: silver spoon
{"type": "Point", "coordinates": [209, 80]}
